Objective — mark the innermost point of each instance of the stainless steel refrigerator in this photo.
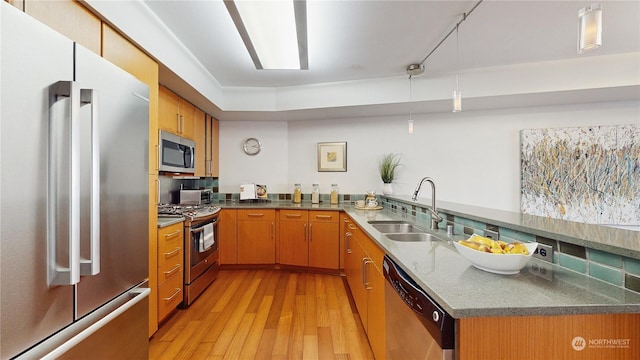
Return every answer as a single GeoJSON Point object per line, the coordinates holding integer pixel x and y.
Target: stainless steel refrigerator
{"type": "Point", "coordinates": [73, 199]}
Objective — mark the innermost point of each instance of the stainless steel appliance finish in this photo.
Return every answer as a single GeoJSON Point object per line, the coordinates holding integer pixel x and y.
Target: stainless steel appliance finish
{"type": "Point", "coordinates": [200, 258]}
{"type": "Point", "coordinates": [74, 128]}
{"type": "Point", "coordinates": [177, 154]}
{"type": "Point", "coordinates": [416, 327]}
{"type": "Point", "coordinates": [196, 197]}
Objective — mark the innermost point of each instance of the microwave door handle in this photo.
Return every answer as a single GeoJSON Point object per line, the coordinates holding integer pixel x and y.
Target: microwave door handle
{"type": "Point", "coordinates": [63, 193]}
{"type": "Point", "coordinates": [91, 266]}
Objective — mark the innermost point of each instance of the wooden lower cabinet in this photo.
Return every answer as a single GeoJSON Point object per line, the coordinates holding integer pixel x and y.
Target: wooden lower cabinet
{"type": "Point", "coordinates": [228, 237]}
{"type": "Point", "coordinates": [309, 238]}
{"type": "Point", "coordinates": [366, 282]}
{"type": "Point", "coordinates": [256, 236]}
{"type": "Point", "coordinates": [170, 268]}
{"type": "Point", "coordinates": [567, 337]}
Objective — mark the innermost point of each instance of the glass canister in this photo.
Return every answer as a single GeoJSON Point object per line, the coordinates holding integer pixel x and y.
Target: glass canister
{"type": "Point", "coordinates": [334, 194]}
{"type": "Point", "coordinates": [315, 194]}
{"type": "Point", "coordinates": [297, 194]}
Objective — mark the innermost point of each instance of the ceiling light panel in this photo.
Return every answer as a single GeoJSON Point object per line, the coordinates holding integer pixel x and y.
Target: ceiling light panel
{"type": "Point", "coordinates": [272, 29]}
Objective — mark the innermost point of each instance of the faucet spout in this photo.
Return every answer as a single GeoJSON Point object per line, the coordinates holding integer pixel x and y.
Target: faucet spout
{"type": "Point", "coordinates": [435, 217]}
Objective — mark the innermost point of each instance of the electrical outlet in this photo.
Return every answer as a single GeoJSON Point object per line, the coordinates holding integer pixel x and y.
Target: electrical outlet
{"type": "Point", "coordinates": [493, 235]}
{"type": "Point", "coordinates": [542, 270]}
{"type": "Point", "coordinates": [544, 252]}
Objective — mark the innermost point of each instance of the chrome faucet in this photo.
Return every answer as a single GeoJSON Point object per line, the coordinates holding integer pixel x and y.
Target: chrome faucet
{"type": "Point", "coordinates": [435, 218]}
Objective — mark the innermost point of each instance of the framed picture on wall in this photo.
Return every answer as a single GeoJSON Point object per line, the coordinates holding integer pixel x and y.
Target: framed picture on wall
{"type": "Point", "coordinates": [332, 156]}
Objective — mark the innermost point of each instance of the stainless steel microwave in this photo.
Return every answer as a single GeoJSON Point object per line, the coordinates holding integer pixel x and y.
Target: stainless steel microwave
{"type": "Point", "coordinates": [176, 154]}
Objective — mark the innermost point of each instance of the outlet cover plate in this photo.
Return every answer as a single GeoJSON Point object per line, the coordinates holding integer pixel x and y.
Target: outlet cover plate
{"type": "Point", "coordinates": [544, 252]}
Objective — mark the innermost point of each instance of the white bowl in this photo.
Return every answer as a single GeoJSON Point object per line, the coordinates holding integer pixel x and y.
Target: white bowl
{"type": "Point", "coordinates": [497, 263]}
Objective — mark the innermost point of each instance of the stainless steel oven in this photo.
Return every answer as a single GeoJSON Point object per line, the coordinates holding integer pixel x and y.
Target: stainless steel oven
{"type": "Point", "coordinates": [201, 254]}
{"type": "Point", "coordinates": [417, 328]}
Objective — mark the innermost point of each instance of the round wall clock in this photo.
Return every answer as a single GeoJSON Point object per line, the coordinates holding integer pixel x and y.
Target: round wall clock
{"type": "Point", "coordinates": [252, 146]}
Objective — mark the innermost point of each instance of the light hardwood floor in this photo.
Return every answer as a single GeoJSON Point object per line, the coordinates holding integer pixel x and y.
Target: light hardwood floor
{"type": "Point", "coordinates": [266, 314]}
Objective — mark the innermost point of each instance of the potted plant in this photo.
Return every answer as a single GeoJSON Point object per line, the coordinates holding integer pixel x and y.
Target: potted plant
{"type": "Point", "coordinates": [387, 167]}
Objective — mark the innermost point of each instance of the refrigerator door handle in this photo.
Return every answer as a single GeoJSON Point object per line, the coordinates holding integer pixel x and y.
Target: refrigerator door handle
{"type": "Point", "coordinates": [138, 294]}
{"type": "Point", "coordinates": [63, 193]}
{"type": "Point", "coordinates": [91, 266]}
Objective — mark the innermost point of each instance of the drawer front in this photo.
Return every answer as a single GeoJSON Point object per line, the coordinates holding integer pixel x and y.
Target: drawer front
{"type": "Point", "coordinates": [171, 268]}
{"type": "Point", "coordinates": [324, 216]}
{"type": "Point", "coordinates": [170, 237]}
{"type": "Point", "coordinates": [257, 214]}
{"type": "Point", "coordinates": [169, 295]}
{"type": "Point", "coordinates": [294, 215]}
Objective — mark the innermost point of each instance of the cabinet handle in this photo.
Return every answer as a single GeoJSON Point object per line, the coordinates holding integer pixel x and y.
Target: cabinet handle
{"type": "Point", "coordinates": [178, 123]}
{"type": "Point", "coordinates": [178, 290]}
{"type": "Point", "coordinates": [273, 230]}
{"type": "Point", "coordinates": [157, 191]}
{"type": "Point", "coordinates": [172, 253]}
{"type": "Point", "coordinates": [293, 215]}
{"type": "Point", "coordinates": [347, 236]}
{"type": "Point", "coordinates": [346, 220]}
{"type": "Point", "coordinates": [256, 215]}
{"type": "Point", "coordinates": [172, 271]}
{"type": "Point", "coordinates": [172, 234]}
{"type": "Point", "coordinates": [310, 232]}
{"type": "Point", "coordinates": [365, 261]}
{"type": "Point", "coordinates": [323, 216]}
{"type": "Point", "coordinates": [304, 227]}
{"type": "Point", "coordinates": [158, 158]}
{"type": "Point", "coordinates": [352, 227]}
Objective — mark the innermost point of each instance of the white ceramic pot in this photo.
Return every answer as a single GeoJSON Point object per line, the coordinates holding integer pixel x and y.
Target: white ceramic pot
{"type": "Point", "coordinates": [387, 189]}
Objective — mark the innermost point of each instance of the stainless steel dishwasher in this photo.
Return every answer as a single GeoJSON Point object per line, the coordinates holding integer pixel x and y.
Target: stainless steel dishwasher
{"type": "Point", "coordinates": [417, 328]}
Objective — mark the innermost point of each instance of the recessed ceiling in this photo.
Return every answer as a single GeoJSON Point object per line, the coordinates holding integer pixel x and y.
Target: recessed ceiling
{"type": "Point", "coordinates": [353, 40]}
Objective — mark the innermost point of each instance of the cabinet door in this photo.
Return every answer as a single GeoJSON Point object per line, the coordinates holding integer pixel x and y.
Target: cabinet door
{"type": "Point", "coordinates": [69, 18]}
{"type": "Point", "coordinates": [294, 237]}
{"type": "Point", "coordinates": [201, 143]}
{"type": "Point", "coordinates": [227, 236]}
{"type": "Point", "coordinates": [256, 236]}
{"type": "Point", "coordinates": [187, 119]}
{"type": "Point", "coordinates": [168, 116]}
{"type": "Point", "coordinates": [358, 290]}
{"type": "Point", "coordinates": [324, 244]}
{"type": "Point", "coordinates": [214, 158]}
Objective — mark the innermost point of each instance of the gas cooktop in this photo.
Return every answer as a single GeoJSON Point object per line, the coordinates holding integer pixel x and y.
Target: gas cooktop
{"type": "Point", "coordinates": [187, 210]}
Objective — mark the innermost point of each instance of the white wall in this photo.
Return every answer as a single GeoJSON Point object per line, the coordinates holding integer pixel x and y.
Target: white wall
{"type": "Point", "coordinates": [473, 156]}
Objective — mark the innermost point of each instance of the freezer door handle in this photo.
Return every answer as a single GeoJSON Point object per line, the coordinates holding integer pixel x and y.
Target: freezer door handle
{"type": "Point", "coordinates": [63, 177]}
{"type": "Point", "coordinates": [138, 294]}
{"type": "Point", "coordinates": [91, 266]}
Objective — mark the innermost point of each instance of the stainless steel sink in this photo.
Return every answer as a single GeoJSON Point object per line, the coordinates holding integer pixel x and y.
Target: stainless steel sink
{"type": "Point", "coordinates": [411, 237]}
{"type": "Point", "coordinates": [396, 228]}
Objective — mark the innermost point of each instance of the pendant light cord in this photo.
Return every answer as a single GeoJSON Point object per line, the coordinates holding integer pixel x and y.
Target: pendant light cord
{"type": "Point", "coordinates": [457, 57]}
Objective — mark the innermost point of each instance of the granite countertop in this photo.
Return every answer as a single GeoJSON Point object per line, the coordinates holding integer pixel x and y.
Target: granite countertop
{"type": "Point", "coordinates": [541, 288]}
{"type": "Point", "coordinates": [167, 221]}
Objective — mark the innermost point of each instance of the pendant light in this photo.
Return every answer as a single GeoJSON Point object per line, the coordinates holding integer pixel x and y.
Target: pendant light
{"type": "Point", "coordinates": [413, 69]}
{"type": "Point", "coordinates": [457, 94]}
{"type": "Point", "coordinates": [589, 27]}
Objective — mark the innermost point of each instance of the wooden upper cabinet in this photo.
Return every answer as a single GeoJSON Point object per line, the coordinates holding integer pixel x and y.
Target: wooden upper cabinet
{"type": "Point", "coordinates": [212, 161]}
{"type": "Point", "coordinates": [177, 115]}
{"type": "Point", "coordinates": [201, 142]}
{"type": "Point", "coordinates": [69, 18]}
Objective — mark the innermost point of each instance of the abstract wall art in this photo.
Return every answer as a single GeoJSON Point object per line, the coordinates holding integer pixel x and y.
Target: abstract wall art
{"type": "Point", "coordinates": [585, 174]}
